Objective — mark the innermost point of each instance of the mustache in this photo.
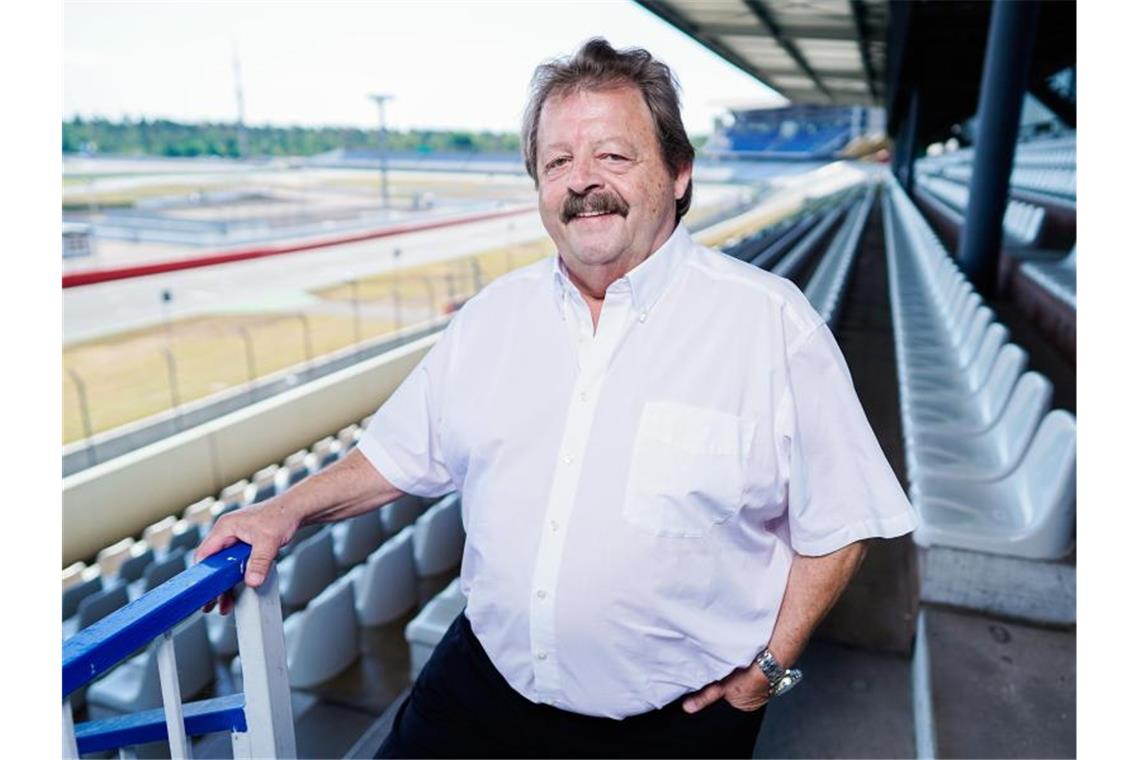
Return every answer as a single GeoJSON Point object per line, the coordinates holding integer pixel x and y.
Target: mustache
{"type": "Point", "coordinates": [597, 201]}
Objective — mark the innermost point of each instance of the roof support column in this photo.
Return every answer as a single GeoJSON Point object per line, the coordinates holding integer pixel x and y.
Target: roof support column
{"type": "Point", "coordinates": [1013, 27]}
{"type": "Point", "coordinates": [906, 145]}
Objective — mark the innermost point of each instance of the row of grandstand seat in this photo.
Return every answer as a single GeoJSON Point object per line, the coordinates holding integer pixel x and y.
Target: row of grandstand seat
{"type": "Point", "coordinates": [829, 281]}
{"type": "Point", "coordinates": [1023, 222]}
{"type": "Point", "coordinates": [325, 608]}
{"type": "Point", "coordinates": [131, 556]}
{"type": "Point", "coordinates": [771, 243]}
{"type": "Point", "coordinates": [822, 141]}
{"type": "Point", "coordinates": [128, 568]}
{"type": "Point", "coordinates": [784, 247]}
{"type": "Point", "coordinates": [792, 263]}
{"type": "Point", "coordinates": [990, 467]}
{"type": "Point", "coordinates": [1058, 278]}
{"type": "Point", "coordinates": [322, 640]}
{"type": "Point", "coordinates": [1051, 180]}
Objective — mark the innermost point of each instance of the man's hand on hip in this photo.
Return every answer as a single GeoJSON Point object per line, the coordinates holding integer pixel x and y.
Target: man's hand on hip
{"type": "Point", "coordinates": [745, 689]}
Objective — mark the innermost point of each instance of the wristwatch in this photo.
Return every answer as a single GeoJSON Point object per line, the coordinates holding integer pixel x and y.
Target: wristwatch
{"type": "Point", "coordinates": [780, 679]}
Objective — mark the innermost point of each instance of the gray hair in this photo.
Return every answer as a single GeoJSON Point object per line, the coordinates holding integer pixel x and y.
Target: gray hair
{"type": "Point", "coordinates": [597, 66]}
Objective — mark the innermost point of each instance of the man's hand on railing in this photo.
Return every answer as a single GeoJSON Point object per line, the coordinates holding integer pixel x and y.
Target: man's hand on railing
{"type": "Point", "coordinates": [266, 527]}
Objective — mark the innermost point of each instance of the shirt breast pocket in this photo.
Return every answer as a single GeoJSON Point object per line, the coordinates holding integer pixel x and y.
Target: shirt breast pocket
{"type": "Point", "coordinates": [687, 470]}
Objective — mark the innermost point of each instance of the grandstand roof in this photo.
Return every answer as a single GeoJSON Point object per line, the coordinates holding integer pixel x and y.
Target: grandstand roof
{"type": "Point", "coordinates": [815, 51]}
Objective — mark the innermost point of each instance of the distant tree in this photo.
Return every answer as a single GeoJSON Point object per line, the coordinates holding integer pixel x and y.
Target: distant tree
{"type": "Point", "coordinates": [162, 137]}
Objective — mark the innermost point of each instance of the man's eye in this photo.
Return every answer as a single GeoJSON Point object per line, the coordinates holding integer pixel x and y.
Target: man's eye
{"type": "Point", "coordinates": [556, 163]}
{"type": "Point", "coordinates": [613, 157]}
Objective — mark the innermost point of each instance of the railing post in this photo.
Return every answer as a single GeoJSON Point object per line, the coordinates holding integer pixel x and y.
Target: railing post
{"type": "Point", "coordinates": [84, 414]}
{"type": "Point", "coordinates": [355, 286]}
{"type": "Point", "coordinates": [175, 396]}
{"type": "Point", "coordinates": [172, 698]}
{"type": "Point", "coordinates": [398, 316]}
{"type": "Point", "coordinates": [250, 366]}
{"type": "Point", "coordinates": [265, 678]}
{"type": "Point", "coordinates": [308, 338]}
{"type": "Point", "coordinates": [70, 748]}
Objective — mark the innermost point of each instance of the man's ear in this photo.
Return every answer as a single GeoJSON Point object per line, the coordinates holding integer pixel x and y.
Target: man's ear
{"type": "Point", "coordinates": [681, 183]}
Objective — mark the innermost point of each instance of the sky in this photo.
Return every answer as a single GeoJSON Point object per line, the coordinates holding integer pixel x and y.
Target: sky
{"type": "Point", "coordinates": [448, 64]}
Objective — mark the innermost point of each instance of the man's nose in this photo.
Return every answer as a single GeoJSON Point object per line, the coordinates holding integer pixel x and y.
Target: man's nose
{"type": "Point", "coordinates": [584, 176]}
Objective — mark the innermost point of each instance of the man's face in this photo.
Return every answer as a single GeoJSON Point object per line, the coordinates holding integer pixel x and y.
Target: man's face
{"type": "Point", "coordinates": [605, 193]}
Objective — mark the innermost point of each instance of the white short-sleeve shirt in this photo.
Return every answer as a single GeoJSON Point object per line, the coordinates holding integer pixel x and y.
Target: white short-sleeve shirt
{"type": "Point", "coordinates": [633, 496]}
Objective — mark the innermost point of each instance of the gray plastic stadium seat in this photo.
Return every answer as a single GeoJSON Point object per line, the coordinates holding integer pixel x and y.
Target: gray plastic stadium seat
{"type": "Point", "coordinates": [928, 382]}
{"type": "Point", "coordinates": [265, 483]}
{"type": "Point", "coordinates": [385, 585]}
{"type": "Point", "coordinates": [829, 281]}
{"type": "Point", "coordinates": [1031, 512]}
{"type": "Point", "coordinates": [1058, 278]}
{"type": "Point", "coordinates": [200, 512]}
{"type": "Point", "coordinates": [186, 537]}
{"type": "Point", "coordinates": [325, 452]}
{"type": "Point", "coordinates": [428, 627]}
{"type": "Point", "coordinates": [438, 538]}
{"type": "Point", "coordinates": [302, 534]}
{"type": "Point", "coordinates": [95, 607]}
{"type": "Point", "coordinates": [157, 535]}
{"type": "Point", "coordinates": [297, 467]}
{"type": "Point", "coordinates": [134, 685]}
{"type": "Point", "coordinates": [348, 436]}
{"type": "Point", "coordinates": [110, 557]}
{"type": "Point", "coordinates": [133, 568]}
{"type": "Point", "coordinates": [322, 640]}
{"type": "Point", "coordinates": [234, 496]}
{"type": "Point", "coordinates": [160, 572]}
{"type": "Point", "coordinates": [957, 353]}
{"type": "Point", "coordinates": [354, 539]}
{"type": "Point", "coordinates": [73, 574]}
{"type": "Point", "coordinates": [991, 453]}
{"type": "Point", "coordinates": [76, 594]}
{"type": "Point", "coordinates": [967, 413]}
{"type": "Point", "coordinates": [399, 514]}
{"type": "Point", "coordinates": [960, 444]}
{"type": "Point", "coordinates": [223, 633]}
{"type": "Point", "coordinates": [308, 570]}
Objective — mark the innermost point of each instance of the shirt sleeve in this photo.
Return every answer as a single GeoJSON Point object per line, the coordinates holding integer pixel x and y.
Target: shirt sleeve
{"type": "Point", "coordinates": [402, 441]}
{"type": "Point", "coordinates": [840, 487]}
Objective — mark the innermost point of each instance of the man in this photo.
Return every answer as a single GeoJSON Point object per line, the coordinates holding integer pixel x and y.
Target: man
{"type": "Point", "coordinates": [665, 471]}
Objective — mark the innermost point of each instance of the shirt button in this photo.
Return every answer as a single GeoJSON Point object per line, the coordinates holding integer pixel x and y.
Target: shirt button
{"type": "Point", "coordinates": [540, 655]}
{"type": "Point", "coordinates": [582, 396]}
{"type": "Point", "coordinates": [541, 594]}
{"type": "Point", "coordinates": [554, 525]}
{"type": "Point", "coordinates": [641, 317]}
{"type": "Point", "coordinates": [567, 458]}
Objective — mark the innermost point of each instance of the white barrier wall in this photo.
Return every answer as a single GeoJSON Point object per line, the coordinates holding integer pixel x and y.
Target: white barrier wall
{"type": "Point", "coordinates": [119, 498]}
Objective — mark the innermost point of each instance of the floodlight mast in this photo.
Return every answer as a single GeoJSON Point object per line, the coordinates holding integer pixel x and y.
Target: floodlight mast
{"type": "Point", "coordinates": [243, 139]}
{"type": "Point", "coordinates": [380, 100]}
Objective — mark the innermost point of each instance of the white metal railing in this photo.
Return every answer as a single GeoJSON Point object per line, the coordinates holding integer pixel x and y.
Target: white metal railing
{"type": "Point", "coordinates": [259, 720]}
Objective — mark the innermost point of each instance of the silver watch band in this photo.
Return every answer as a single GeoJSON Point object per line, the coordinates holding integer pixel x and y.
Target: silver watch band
{"type": "Point", "coordinates": [780, 679]}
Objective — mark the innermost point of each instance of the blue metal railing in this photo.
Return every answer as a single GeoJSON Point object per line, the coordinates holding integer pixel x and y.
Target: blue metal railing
{"type": "Point", "coordinates": [259, 719]}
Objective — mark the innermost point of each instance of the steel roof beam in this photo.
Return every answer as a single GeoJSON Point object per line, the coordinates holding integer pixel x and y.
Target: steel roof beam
{"type": "Point", "coordinates": [761, 12]}
{"type": "Point", "coordinates": [800, 32]}
{"type": "Point", "coordinates": [859, 13]}
{"type": "Point", "coordinates": [669, 15]}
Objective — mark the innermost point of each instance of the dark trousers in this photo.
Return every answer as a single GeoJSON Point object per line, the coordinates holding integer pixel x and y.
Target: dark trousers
{"type": "Point", "coordinates": [461, 707]}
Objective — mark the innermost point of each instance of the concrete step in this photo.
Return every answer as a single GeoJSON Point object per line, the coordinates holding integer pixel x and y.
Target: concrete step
{"type": "Point", "coordinates": [990, 688]}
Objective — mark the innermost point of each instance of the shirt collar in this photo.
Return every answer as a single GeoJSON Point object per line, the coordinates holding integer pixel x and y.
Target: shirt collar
{"type": "Point", "coordinates": [646, 281]}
